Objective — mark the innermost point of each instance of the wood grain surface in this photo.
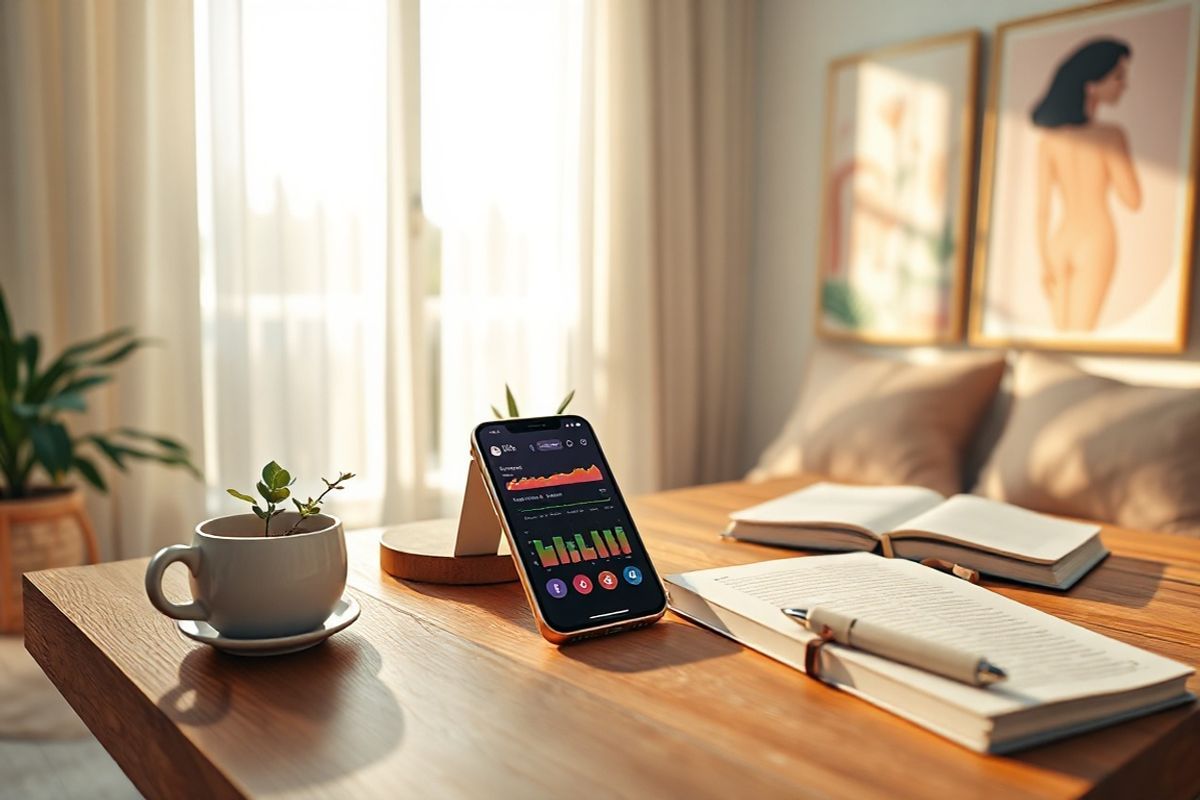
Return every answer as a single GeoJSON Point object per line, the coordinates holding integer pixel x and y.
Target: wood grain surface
{"type": "Point", "coordinates": [448, 691]}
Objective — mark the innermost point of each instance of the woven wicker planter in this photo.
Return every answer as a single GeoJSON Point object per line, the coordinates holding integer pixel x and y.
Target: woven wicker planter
{"type": "Point", "coordinates": [50, 529]}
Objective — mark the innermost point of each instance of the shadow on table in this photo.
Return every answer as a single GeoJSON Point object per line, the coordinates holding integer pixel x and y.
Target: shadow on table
{"type": "Point", "coordinates": [1117, 580]}
{"type": "Point", "coordinates": [668, 643]}
{"type": "Point", "coordinates": [504, 601]}
{"type": "Point", "coordinates": [325, 706]}
{"type": "Point", "coordinates": [1090, 755]}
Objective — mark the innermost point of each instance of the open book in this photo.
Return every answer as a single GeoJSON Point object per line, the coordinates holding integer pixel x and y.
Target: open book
{"type": "Point", "coordinates": [992, 537]}
{"type": "Point", "coordinates": [1062, 678]}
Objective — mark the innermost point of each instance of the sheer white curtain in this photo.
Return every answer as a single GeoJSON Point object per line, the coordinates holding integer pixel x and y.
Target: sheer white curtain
{"type": "Point", "coordinates": [310, 300]}
{"type": "Point", "coordinates": [584, 161]}
{"type": "Point", "coordinates": [501, 152]}
{"type": "Point", "coordinates": [588, 165]}
{"type": "Point", "coordinates": [98, 226]}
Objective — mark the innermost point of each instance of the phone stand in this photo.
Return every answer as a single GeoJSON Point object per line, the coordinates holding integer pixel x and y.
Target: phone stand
{"type": "Point", "coordinates": [468, 550]}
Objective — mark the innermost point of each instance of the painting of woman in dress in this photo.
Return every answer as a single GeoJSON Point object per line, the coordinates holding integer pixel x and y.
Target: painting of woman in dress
{"type": "Point", "coordinates": [1099, 260]}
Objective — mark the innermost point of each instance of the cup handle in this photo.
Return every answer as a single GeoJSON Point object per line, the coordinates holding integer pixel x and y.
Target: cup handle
{"type": "Point", "coordinates": [164, 558]}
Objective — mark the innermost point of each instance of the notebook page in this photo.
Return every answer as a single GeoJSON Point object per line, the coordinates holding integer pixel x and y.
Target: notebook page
{"type": "Point", "coordinates": [1001, 528]}
{"type": "Point", "coordinates": [1047, 659]}
{"type": "Point", "coordinates": [875, 508]}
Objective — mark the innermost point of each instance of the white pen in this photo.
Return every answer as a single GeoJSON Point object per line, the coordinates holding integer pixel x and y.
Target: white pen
{"type": "Point", "coordinates": [871, 637]}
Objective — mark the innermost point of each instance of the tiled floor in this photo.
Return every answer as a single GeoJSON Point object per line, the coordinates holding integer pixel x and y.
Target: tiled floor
{"type": "Point", "coordinates": [45, 751]}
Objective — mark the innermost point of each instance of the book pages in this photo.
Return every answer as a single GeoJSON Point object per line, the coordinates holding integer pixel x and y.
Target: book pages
{"type": "Point", "coordinates": [1000, 528]}
{"type": "Point", "coordinates": [1047, 659]}
{"type": "Point", "coordinates": [877, 509]}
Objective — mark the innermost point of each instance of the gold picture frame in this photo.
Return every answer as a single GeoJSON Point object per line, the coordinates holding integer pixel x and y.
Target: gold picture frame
{"type": "Point", "coordinates": [1064, 319]}
{"type": "Point", "coordinates": [920, 211]}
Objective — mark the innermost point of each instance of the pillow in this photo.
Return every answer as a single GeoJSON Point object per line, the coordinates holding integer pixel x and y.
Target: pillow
{"type": "Point", "coordinates": [1098, 448]}
{"type": "Point", "coordinates": [878, 420]}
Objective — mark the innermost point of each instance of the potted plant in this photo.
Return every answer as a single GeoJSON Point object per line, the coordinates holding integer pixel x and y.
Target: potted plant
{"type": "Point", "coordinates": [262, 583]}
{"type": "Point", "coordinates": [42, 519]}
{"type": "Point", "coordinates": [512, 404]}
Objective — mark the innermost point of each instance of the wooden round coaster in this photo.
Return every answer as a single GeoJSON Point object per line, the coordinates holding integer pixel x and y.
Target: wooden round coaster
{"type": "Point", "coordinates": [424, 551]}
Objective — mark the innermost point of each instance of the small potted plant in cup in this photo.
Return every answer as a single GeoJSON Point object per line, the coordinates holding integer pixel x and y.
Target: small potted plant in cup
{"type": "Point", "coordinates": [267, 582]}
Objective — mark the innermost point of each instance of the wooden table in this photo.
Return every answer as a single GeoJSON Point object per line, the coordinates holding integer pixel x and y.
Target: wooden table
{"type": "Point", "coordinates": [448, 691]}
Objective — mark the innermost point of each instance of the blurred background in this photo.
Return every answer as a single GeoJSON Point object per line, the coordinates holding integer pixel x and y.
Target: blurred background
{"type": "Point", "coordinates": [346, 226]}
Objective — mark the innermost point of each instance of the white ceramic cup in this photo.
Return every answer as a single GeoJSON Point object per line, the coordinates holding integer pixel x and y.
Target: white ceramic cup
{"type": "Point", "coordinates": [249, 586]}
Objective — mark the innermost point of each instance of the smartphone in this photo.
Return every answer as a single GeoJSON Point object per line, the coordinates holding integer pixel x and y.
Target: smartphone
{"type": "Point", "coordinates": [577, 549]}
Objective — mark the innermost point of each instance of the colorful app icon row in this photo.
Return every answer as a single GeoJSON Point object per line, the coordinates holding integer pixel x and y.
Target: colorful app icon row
{"type": "Point", "coordinates": [584, 585]}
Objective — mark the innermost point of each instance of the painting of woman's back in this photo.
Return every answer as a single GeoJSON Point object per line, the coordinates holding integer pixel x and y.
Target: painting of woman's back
{"type": "Point", "coordinates": [1084, 235]}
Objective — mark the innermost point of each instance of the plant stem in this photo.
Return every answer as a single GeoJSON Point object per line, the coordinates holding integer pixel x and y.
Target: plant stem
{"type": "Point", "coordinates": [328, 488]}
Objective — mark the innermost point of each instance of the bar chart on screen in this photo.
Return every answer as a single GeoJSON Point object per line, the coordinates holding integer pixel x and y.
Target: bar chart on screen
{"type": "Point", "coordinates": [579, 547]}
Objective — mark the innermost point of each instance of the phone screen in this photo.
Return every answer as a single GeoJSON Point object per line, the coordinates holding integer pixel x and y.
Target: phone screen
{"type": "Point", "coordinates": [571, 527]}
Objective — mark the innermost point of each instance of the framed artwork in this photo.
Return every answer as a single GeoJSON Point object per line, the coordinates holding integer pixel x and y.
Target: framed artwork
{"type": "Point", "coordinates": [1086, 205]}
{"type": "Point", "coordinates": [896, 191]}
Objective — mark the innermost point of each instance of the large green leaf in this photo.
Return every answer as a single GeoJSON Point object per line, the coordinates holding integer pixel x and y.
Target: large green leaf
{"type": "Point", "coordinates": [6, 332]}
{"type": "Point", "coordinates": [88, 470]}
{"type": "Point", "coordinates": [276, 477]}
{"type": "Point", "coordinates": [9, 358]}
{"type": "Point", "coordinates": [43, 385]}
{"type": "Point", "coordinates": [51, 447]}
{"type": "Point", "coordinates": [512, 403]}
{"type": "Point", "coordinates": [68, 361]}
{"type": "Point", "coordinates": [566, 402]}
{"type": "Point", "coordinates": [86, 382]}
{"type": "Point", "coordinates": [269, 472]}
{"type": "Point", "coordinates": [111, 450]}
{"type": "Point", "coordinates": [31, 348]}
{"type": "Point", "coordinates": [88, 345]}
{"type": "Point", "coordinates": [116, 355]}
{"type": "Point", "coordinates": [165, 442]}
{"type": "Point", "coordinates": [273, 495]}
{"type": "Point", "coordinates": [65, 401]}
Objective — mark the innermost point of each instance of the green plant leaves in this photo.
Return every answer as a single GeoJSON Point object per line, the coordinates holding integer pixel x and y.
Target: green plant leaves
{"type": "Point", "coordinates": [241, 496]}
{"type": "Point", "coordinates": [86, 382]}
{"type": "Point", "coordinates": [272, 495]}
{"type": "Point", "coordinates": [6, 331]}
{"type": "Point", "coordinates": [110, 450]}
{"type": "Point", "coordinates": [164, 442]}
{"type": "Point", "coordinates": [88, 470]}
{"type": "Point", "coordinates": [512, 403]}
{"type": "Point", "coordinates": [34, 396]}
{"type": "Point", "coordinates": [52, 448]}
{"type": "Point", "coordinates": [565, 402]}
{"type": "Point", "coordinates": [276, 477]}
{"type": "Point", "coordinates": [30, 349]}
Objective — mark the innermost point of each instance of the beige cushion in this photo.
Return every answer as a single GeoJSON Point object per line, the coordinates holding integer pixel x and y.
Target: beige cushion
{"type": "Point", "coordinates": [1086, 446]}
{"type": "Point", "coordinates": [883, 421]}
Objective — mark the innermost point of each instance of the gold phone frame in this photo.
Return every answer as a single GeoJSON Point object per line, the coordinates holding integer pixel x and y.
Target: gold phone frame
{"type": "Point", "coordinates": [549, 633]}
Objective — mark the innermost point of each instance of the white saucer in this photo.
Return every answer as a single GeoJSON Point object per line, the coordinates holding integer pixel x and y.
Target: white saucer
{"type": "Point", "coordinates": [344, 613]}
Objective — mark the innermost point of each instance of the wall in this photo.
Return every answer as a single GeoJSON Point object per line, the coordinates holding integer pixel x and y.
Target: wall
{"type": "Point", "coordinates": [796, 41]}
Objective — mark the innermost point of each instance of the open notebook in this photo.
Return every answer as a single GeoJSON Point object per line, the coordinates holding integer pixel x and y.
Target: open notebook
{"type": "Point", "coordinates": [992, 537]}
{"type": "Point", "coordinates": [1062, 678]}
